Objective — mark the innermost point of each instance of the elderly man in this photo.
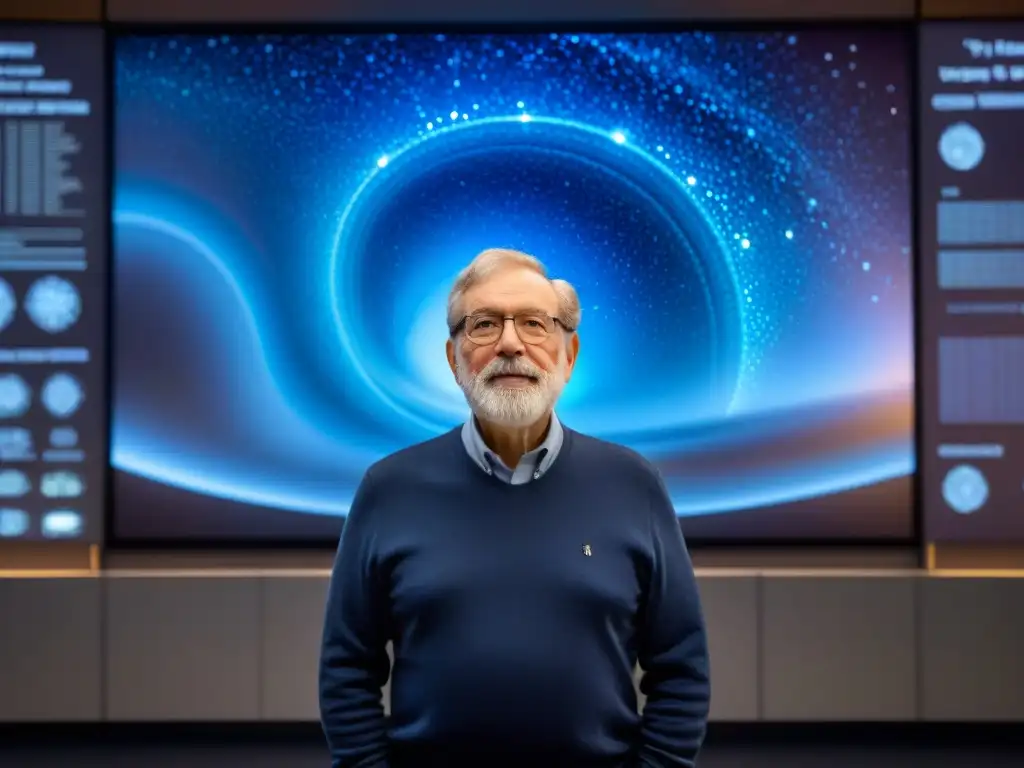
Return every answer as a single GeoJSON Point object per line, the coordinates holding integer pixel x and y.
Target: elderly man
{"type": "Point", "coordinates": [520, 570]}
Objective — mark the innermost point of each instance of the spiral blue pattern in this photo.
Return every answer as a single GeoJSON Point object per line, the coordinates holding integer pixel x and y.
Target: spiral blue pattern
{"type": "Point", "coordinates": [291, 210]}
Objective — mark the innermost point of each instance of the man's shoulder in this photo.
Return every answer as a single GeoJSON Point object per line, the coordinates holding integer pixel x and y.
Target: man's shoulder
{"type": "Point", "coordinates": [426, 456]}
{"type": "Point", "coordinates": [613, 457]}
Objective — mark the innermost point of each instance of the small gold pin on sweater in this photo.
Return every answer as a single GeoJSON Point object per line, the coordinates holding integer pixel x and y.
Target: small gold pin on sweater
{"type": "Point", "coordinates": [586, 550]}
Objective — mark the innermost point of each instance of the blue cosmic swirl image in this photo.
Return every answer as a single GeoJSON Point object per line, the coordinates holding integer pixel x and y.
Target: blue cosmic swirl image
{"type": "Point", "coordinates": [733, 208]}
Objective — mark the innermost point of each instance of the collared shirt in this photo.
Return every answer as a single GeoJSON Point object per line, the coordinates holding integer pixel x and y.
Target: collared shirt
{"type": "Point", "coordinates": [530, 467]}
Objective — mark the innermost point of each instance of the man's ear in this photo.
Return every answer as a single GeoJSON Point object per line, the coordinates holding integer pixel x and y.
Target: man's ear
{"type": "Point", "coordinates": [451, 352]}
{"type": "Point", "coordinates": [572, 351]}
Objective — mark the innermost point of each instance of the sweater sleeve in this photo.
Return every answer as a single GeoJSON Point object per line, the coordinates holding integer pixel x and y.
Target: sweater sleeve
{"type": "Point", "coordinates": [673, 649]}
{"type": "Point", "coordinates": [354, 664]}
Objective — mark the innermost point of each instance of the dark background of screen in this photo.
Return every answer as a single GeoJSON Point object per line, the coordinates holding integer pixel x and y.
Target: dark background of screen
{"type": "Point", "coordinates": [257, 375]}
{"type": "Point", "coordinates": [75, 54]}
{"type": "Point", "coordinates": [998, 177]}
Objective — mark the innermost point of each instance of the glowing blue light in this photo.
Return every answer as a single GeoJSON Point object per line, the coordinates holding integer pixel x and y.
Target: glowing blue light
{"type": "Point", "coordinates": [199, 480]}
{"type": "Point", "coordinates": [837, 478]}
{"type": "Point", "coordinates": [872, 470]}
{"type": "Point", "coordinates": [125, 217]}
{"type": "Point", "coordinates": [343, 326]}
{"type": "Point", "coordinates": [838, 342]}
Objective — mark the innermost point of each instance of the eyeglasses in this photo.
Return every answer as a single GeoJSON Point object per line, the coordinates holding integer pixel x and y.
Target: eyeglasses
{"type": "Point", "coordinates": [532, 328]}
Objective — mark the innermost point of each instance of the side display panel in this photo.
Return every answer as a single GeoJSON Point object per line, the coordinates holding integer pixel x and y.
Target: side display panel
{"type": "Point", "coordinates": [972, 273]}
{"type": "Point", "coordinates": [53, 278]}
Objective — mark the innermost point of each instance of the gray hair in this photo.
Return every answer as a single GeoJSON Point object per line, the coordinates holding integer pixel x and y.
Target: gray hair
{"type": "Point", "coordinates": [493, 259]}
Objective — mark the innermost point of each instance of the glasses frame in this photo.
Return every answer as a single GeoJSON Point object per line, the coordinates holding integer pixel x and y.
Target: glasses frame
{"type": "Point", "coordinates": [461, 326]}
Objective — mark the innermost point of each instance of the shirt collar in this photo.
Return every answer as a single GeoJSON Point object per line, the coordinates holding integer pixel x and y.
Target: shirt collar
{"type": "Point", "coordinates": [540, 458]}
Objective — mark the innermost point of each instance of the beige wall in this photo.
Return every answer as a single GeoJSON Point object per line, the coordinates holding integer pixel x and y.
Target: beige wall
{"type": "Point", "coordinates": [206, 645]}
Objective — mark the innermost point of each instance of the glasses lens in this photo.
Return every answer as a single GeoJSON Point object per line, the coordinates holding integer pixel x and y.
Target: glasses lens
{"type": "Point", "coordinates": [534, 327]}
{"type": "Point", "coordinates": [484, 327]}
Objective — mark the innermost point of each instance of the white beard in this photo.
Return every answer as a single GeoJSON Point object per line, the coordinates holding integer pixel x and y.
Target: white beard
{"type": "Point", "coordinates": [511, 406]}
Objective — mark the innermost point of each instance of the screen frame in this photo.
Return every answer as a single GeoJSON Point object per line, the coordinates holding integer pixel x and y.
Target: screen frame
{"type": "Point", "coordinates": [908, 27]}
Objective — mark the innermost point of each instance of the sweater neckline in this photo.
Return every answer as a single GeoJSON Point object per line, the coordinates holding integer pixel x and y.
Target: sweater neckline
{"type": "Point", "coordinates": [481, 476]}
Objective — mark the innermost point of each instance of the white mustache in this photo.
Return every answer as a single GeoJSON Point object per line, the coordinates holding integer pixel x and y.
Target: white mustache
{"type": "Point", "coordinates": [515, 367]}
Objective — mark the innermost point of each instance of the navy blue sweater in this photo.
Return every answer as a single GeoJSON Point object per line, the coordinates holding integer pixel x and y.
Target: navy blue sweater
{"type": "Point", "coordinates": [517, 616]}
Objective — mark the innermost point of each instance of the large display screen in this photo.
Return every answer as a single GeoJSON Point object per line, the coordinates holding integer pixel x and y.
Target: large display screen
{"type": "Point", "coordinates": [972, 280]}
{"type": "Point", "coordinates": [53, 283]}
{"type": "Point", "coordinates": [732, 207]}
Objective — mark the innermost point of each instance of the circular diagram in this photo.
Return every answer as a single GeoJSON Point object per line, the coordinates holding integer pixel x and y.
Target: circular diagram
{"type": "Point", "coordinates": [53, 304]}
{"type": "Point", "coordinates": [962, 147]}
{"type": "Point", "coordinates": [965, 489]}
{"type": "Point", "coordinates": [15, 396]}
{"type": "Point", "coordinates": [8, 304]}
{"type": "Point", "coordinates": [62, 395]}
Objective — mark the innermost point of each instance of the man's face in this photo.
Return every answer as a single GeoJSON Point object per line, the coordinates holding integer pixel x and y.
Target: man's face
{"type": "Point", "coordinates": [509, 382]}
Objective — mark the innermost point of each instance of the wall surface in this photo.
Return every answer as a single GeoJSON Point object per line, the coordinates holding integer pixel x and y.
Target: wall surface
{"type": "Point", "coordinates": [581, 11]}
{"type": "Point", "coordinates": [205, 645]}
{"type": "Point", "coordinates": [51, 10]}
{"type": "Point", "coordinates": [442, 11]}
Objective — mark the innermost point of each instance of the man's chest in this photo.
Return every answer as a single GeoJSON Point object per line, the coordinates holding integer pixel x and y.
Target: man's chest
{"type": "Point", "coordinates": [496, 565]}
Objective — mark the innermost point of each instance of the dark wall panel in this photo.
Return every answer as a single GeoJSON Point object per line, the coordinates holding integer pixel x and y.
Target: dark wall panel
{"type": "Point", "coordinates": [51, 10]}
{"type": "Point", "coordinates": [441, 11]}
{"type": "Point", "coordinates": [941, 9]}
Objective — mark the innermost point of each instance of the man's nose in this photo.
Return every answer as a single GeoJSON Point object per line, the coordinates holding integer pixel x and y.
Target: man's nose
{"type": "Point", "coordinates": [509, 343]}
